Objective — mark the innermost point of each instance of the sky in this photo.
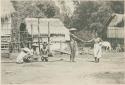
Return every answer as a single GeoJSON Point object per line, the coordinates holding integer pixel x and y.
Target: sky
{"type": "Point", "coordinates": [70, 7]}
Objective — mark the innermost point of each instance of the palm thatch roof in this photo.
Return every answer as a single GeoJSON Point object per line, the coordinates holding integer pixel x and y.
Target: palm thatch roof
{"type": "Point", "coordinates": [117, 19]}
{"type": "Point", "coordinates": [115, 31]}
{"type": "Point", "coordinates": [6, 8]}
{"type": "Point", "coordinates": [55, 26]}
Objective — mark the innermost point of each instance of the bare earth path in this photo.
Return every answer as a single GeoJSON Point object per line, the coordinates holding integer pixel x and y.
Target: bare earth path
{"type": "Point", "coordinates": [59, 71]}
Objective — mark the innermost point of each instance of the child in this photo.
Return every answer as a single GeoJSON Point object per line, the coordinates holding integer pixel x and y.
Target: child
{"type": "Point", "coordinates": [44, 52]}
{"type": "Point", "coordinates": [97, 50]}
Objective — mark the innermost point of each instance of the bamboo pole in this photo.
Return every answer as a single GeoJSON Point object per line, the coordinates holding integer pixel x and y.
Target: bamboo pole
{"type": "Point", "coordinates": [19, 40]}
{"type": "Point", "coordinates": [39, 36]}
{"type": "Point", "coordinates": [32, 33]}
{"type": "Point", "coordinates": [60, 45]}
{"type": "Point", "coordinates": [124, 38]}
{"type": "Point", "coordinates": [48, 37]}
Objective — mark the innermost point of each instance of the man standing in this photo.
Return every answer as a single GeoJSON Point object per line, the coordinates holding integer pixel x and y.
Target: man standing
{"type": "Point", "coordinates": [73, 45]}
{"type": "Point", "coordinates": [73, 48]}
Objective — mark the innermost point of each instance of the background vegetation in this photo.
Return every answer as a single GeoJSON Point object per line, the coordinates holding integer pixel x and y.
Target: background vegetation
{"type": "Point", "coordinates": [89, 17]}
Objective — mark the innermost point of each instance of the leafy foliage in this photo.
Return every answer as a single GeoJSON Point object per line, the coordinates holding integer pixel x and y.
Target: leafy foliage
{"type": "Point", "coordinates": [88, 16]}
{"type": "Point", "coordinates": [92, 16]}
{"type": "Point", "coordinates": [117, 6]}
{"type": "Point", "coordinates": [34, 9]}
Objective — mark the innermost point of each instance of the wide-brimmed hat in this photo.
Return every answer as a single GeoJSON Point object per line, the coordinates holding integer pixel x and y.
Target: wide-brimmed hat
{"type": "Point", "coordinates": [26, 49]}
{"type": "Point", "coordinates": [72, 29]}
{"type": "Point", "coordinates": [35, 45]}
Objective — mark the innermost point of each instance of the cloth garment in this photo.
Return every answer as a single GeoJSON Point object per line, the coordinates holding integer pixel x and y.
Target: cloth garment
{"type": "Point", "coordinates": [74, 49]}
{"type": "Point", "coordinates": [22, 54]}
{"type": "Point", "coordinates": [20, 57]}
{"type": "Point", "coordinates": [44, 51]}
{"type": "Point", "coordinates": [97, 50]}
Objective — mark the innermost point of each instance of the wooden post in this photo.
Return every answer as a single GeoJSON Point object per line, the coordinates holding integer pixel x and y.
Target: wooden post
{"type": "Point", "coordinates": [18, 40]}
{"type": "Point", "coordinates": [60, 45]}
{"type": "Point", "coordinates": [48, 38]}
{"type": "Point", "coordinates": [124, 38]}
{"type": "Point", "coordinates": [39, 36]}
{"type": "Point", "coordinates": [116, 37]}
{"type": "Point", "coordinates": [32, 33]}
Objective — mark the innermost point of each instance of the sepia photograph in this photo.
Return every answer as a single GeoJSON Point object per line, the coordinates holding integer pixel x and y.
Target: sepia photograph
{"type": "Point", "coordinates": [62, 42]}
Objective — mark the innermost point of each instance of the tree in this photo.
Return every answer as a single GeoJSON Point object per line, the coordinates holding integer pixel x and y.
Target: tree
{"type": "Point", "coordinates": [47, 8]}
{"type": "Point", "coordinates": [117, 6]}
{"type": "Point", "coordinates": [30, 9]}
{"type": "Point", "coordinates": [34, 9]}
{"type": "Point", "coordinates": [91, 16]}
{"type": "Point", "coordinates": [50, 11]}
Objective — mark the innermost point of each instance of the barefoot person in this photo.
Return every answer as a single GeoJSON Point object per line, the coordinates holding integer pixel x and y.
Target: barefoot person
{"type": "Point", "coordinates": [44, 51]}
{"type": "Point", "coordinates": [24, 56]}
{"type": "Point", "coordinates": [97, 48]}
{"type": "Point", "coordinates": [73, 44]}
{"type": "Point", "coordinates": [73, 48]}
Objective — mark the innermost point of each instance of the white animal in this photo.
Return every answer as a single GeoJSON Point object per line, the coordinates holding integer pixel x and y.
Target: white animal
{"type": "Point", "coordinates": [107, 45]}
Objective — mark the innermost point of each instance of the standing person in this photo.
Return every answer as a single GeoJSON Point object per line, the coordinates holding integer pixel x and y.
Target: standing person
{"type": "Point", "coordinates": [97, 50]}
{"type": "Point", "coordinates": [73, 48]}
{"type": "Point", "coordinates": [73, 45]}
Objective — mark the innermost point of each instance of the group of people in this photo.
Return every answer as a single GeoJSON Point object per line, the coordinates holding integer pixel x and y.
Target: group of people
{"type": "Point", "coordinates": [29, 55]}
{"type": "Point", "coordinates": [97, 52]}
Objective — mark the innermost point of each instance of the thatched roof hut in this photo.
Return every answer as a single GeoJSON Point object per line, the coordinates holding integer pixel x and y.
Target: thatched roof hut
{"type": "Point", "coordinates": [6, 8]}
{"type": "Point", "coordinates": [116, 20]}
{"type": "Point", "coordinates": [55, 25]}
{"type": "Point", "coordinates": [116, 27]}
{"type": "Point", "coordinates": [6, 12]}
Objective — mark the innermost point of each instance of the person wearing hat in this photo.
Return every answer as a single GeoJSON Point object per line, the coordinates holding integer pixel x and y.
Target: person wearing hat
{"type": "Point", "coordinates": [73, 48]}
{"type": "Point", "coordinates": [73, 45]}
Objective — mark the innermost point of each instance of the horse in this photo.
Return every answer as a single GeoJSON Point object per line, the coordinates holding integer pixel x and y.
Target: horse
{"type": "Point", "coordinates": [106, 45]}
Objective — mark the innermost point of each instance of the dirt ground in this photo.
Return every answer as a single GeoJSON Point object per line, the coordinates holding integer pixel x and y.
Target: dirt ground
{"type": "Point", "coordinates": [59, 71]}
